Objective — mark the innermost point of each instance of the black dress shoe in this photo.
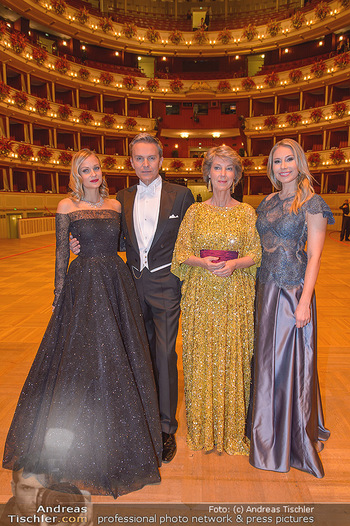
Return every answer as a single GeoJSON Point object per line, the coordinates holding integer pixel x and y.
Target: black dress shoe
{"type": "Point", "coordinates": [169, 447]}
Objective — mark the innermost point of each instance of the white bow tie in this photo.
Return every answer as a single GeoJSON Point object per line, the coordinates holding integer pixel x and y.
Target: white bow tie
{"type": "Point", "coordinates": [146, 190]}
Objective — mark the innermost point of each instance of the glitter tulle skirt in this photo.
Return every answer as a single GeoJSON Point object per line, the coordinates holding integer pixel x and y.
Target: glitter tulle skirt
{"type": "Point", "coordinates": [88, 412]}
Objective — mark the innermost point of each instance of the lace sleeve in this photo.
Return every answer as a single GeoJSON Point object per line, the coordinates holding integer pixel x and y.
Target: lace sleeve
{"type": "Point", "coordinates": [62, 252]}
{"type": "Point", "coordinates": [317, 205]}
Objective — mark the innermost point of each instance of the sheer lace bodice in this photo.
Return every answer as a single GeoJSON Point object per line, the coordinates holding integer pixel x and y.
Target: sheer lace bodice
{"type": "Point", "coordinates": [283, 237]}
{"type": "Point", "coordinates": [97, 238]}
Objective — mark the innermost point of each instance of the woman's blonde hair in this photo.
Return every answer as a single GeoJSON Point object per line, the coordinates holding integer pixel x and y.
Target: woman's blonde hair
{"type": "Point", "coordinates": [224, 152]}
{"type": "Point", "coordinates": [76, 189]}
{"type": "Point", "coordinates": [305, 189]}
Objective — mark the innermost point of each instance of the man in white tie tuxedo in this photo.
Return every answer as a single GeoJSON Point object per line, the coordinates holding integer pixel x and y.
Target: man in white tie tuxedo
{"type": "Point", "coordinates": [152, 212]}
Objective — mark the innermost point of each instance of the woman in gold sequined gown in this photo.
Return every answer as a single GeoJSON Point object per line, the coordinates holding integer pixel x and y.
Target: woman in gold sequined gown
{"type": "Point", "coordinates": [217, 308]}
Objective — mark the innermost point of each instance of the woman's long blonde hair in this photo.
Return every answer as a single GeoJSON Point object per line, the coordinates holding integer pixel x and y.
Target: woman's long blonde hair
{"type": "Point", "coordinates": [305, 189]}
{"type": "Point", "coordinates": [76, 189]}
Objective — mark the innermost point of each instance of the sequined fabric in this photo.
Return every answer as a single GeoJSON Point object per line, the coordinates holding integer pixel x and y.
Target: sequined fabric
{"type": "Point", "coordinates": [217, 326]}
{"type": "Point", "coordinates": [283, 237]}
{"type": "Point", "coordinates": [287, 425]}
{"type": "Point", "coordinates": [88, 412]}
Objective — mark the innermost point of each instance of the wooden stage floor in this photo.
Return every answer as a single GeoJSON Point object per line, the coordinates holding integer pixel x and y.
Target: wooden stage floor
{"type": "Point", "coordinates": [26, 285]}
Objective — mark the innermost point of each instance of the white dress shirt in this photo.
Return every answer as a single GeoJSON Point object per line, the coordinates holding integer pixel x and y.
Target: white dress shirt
{"type": "Point", "coordinates": [146, 214]}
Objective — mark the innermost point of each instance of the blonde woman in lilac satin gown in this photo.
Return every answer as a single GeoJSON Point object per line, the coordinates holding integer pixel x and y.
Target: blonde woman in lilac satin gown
{"type": "Point", "coordinates": [287, 427]}
{"type": "Point", "coordinates": [216, 255]}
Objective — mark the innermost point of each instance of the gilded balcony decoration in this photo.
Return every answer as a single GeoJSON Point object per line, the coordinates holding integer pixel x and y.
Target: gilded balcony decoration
{"type": "Point", "coordinates": [271, 79]}
{"type": "Point", "coordinates": [24, 152]}
{"type": "Point", "coordinates": [129, 30]}
{"type": "Point", "coordinates": [345, 3]}
{"type": "Point", "coordinates": [39, 55]}
{"type": "Point", "coordinates": [106, 24]}
{"type": "Point", "coordinates": [322, 10]}
{"type": "Point", "coordinates": [224, 86]}
{"type": "Point", "coordinates": [21, 99]}
{"type": "Point", "coordinates": [44, 154]}
{"type": "Point", "coordinates": [337, 156]}
{"type": "Point", "coordinates": [339, 109]}
{"type": "Point", "coordinates": [127, 164]}
{"type": "Point", "coordinates": [58, 6]}
{"type": "Point", "coordinates": [109, 162]}
{"type": "Point", "coordinates": [152, 85]}
{"type": "Point", "coordinates": [176, 85]}
{"type": "Point", "coordinates": [177, 165]}
{"type": "Point", "coordinates": [316, 115]}
{"type": "Point", "coordinates": [298, 19]}
{"type": "Point", "coordinates": [295, 75]}
{"type": "Point", "coordinates": [4, 90]}
{"type": "Point", "coordinates": [175, 37]}
{"type": "Point", "coordinates": [64, 112]}
{"type": "Point", "coordinates": [314, 159]}
{"type": "Point", "coordinates": [106, 78]}
{"type": "Point", "coordinates": [108, 120]}
{"type": "Point", "coordinates": [273, 28]}
{"type": "Point", "coordinates": [249, 32]}
{"type": "Point", "coordinates": [200, 37]}
{"type": "Point", "coordinates": [153, 35]}
{"type": "Point", "coordinates": [341, 61]}
{"type": "Point", "coordinates": [5, 146]}
{"type": "Point", "coordinates": [18, 41]}
{"type": "Point", "coordinates": [129, 82]}
{"type": "Point", "coordinates": [62, 65]}
{"type": "Point", "coordinates": [248, 84]}
{"type": "Point", "coordinates": [65, 158]}
{"type": "Point", "coordinates": [247, 163]}
{"type": "Point", "coordinates": [293, 119]}
{"type": "Point", "coordinates": [197, 164]}
{"type": "Point", "coordinates": [3, 28]}
{"type": "Point", "coordinates": [224, 36]}
{"type": "Point", "coordinates": [271, 122]}
{"type": "Point", "coordinates": [318, 68]}
{"type": "Point", "coordinates": [130, 123]}
{"type": "Point", "coordinates": [84, 73]}
{"type": "Point", "coordinates": [82, 15]}
{"type": "Point", "coordinates": [86, 117]}
{"type": "Point", "coordinates": [42, 106]}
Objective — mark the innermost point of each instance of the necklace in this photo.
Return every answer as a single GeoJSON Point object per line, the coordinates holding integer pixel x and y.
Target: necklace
{"type": "Point", "coordinates": [98, 204]}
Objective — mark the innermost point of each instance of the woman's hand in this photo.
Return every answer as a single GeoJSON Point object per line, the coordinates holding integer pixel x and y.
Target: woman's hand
{"type": "Point", "coordinates": [227, 270]}
{"type": "Point", "coordinates": [302, 315]}
{"type": "Point", "coordinates": [211, 263]}
{"type": "Point", "coordinates": [74, 245]}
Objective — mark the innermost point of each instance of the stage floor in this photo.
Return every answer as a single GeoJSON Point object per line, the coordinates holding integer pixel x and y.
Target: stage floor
{"type": "Point", "coordinates": [26, 293]}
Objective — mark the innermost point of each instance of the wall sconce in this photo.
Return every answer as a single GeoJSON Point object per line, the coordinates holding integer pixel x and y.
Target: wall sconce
{"type": "Point", "coordinates": [184, 135]}
{"type": "Point", "coordinates": [216, 135]}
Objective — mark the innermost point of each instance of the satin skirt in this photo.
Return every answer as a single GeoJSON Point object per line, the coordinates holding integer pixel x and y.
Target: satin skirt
{"type": "Point", "coordinates": [286, 424]}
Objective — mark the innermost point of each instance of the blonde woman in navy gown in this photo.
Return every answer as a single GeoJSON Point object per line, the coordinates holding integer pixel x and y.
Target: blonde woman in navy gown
{"type": "Point", "coordinates": [287, 428]}
{"type": "Point", "coordinates": [88, 412]}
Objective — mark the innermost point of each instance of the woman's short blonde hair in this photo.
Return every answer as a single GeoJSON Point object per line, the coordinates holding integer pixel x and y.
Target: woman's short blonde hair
{"type": "Point", "coordinates": [226, 153]}
{"type": "Point", "coordinates": [76, 188]}
{"type": "Point", "coordinates": [305, 189]}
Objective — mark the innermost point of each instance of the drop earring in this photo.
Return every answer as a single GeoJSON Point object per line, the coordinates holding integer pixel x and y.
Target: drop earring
{"type": "Point", "coordinates": [210, 186]}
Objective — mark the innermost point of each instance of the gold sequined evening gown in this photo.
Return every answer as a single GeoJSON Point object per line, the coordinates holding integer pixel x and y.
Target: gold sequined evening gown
{"type": "Point", "coordinates": [217, 326]}
{"type": "Point", "coordinates": [88, 412]}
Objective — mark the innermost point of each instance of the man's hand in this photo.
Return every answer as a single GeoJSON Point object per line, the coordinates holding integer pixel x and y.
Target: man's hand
{"type": "Point", "coordinates": [74, 245]}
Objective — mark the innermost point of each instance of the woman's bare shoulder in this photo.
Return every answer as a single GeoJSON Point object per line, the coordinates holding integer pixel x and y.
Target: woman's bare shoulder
{"type": "Point", "coordinates": [66, 206]}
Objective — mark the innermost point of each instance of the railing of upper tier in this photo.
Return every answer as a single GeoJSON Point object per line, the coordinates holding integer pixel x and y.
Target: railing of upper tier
{"type": "Point", "coordinates": [94, 29]}
{"type": "Point", "coordinates": [51, 67]}
{"type": "Point", "coordinates": [336, 114]}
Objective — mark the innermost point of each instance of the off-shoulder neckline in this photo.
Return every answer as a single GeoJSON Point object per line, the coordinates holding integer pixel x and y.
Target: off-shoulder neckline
{"type": "Point", "coordinates": [88, 210]}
